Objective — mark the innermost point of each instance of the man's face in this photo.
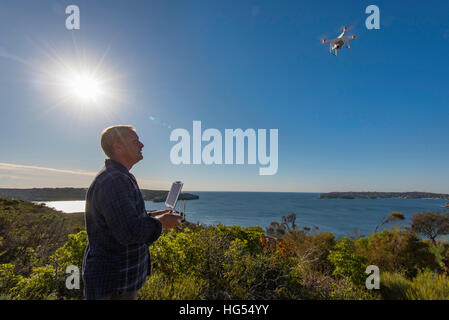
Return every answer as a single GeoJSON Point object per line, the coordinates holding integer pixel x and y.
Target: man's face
{"type": "Point", "coordinates": [132, 148]}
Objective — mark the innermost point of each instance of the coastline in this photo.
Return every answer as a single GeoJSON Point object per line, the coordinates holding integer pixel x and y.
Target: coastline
{"type": "Point", "coordinates": [78, 194]}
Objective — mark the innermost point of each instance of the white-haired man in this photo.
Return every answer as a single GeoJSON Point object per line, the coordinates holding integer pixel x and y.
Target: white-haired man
{"type": "Point", "coordinates": [117, 262]}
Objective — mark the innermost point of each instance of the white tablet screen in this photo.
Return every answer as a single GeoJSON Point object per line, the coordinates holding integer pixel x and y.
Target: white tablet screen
{"type": "Point", "coordinates": [173, 195]}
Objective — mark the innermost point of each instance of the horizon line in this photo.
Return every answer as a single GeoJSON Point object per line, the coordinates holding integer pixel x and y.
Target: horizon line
{"type": "Point", "coordinates": [237, 191]}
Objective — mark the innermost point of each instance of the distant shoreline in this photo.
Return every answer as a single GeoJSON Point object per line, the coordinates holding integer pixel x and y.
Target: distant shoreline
{"type": "Point", "coordinates": [76, 194]}
{"type": "Point", "coordinates": [384, 195]}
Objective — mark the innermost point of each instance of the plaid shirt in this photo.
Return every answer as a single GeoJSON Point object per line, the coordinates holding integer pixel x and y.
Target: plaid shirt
{"type": "Point", "coordinates": [119, 232]}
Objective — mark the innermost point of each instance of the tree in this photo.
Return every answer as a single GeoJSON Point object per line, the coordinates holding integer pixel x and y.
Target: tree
{"type": "Point", "coordinates": [430, 224]}
{"type": "Point", "coordinates": [394, 216]}
{"type": "Point", "coordinates": [290, 219]}
{"type": "Point", "coordinates": [278, 230]}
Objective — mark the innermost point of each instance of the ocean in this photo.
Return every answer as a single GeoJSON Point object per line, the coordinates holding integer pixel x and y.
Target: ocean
{"type": "Point", "coordinates": [343, 217]}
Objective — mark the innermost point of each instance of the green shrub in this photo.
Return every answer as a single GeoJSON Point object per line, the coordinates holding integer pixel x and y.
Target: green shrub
{"type": "Point", "coordinates": [249, 276]}
{"type": "Point", "coordinates": [305, 282]}
{"type": "Point", "coordinates": [313, 249]}
{"type": "Point", "coordinates": [30, 233]}
{"type": "Point", "coordinates": [71, 253]}
{"type": "Point", "coordinates": [441, 254]}
{"type": "Point", "coordinates": [251, 235]}
{"type": "Point", "coordinates": [160, 287]}
{"type": "Point", "coordinates": [228, 259]}
{"type": "Point", "coordinates": [41, 285]}
{"type": "Point", "coordinates": [178, 253]}
{"type": "Point", "coordinates": [347, 263]}
{"type": "Point", "coordinates": [429, 286]}
{"type": "Point", "coordinates": [396, 251]}
{"type": "Point", "coordinates": [394, 286]}
{"type": "Point", "coordinates": [8, 279]}
{"type": "Point", "coordinates": [344, 289]}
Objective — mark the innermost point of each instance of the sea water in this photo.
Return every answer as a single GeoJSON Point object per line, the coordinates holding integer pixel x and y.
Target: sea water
{"type": "Point", "coordinates": [343, 217]}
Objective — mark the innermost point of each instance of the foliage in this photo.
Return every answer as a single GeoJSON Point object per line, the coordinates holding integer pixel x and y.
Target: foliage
{"type": "Point", "coordinates": [429, 286]}
{"type": "Point", "coordinates": [71, 254]}
{"type": "Point", "coordinates": [396, 251]}
{"type": "Point", "coordinates": [8, 279]}
{"type": "Point", "coordinates": [313, 249]}
{"type": "Point", "coordinates": [430, 224]}
{"type": "Point", "coordinates": [39, 286]}
{"type": "Point", "coordinates": [344, 289]}
{"type": "Point", "coordinates": [348, 264]}
{"type": "Point", "coordinates": [394, 216]}
{"type": "Point", "coordinates": [253, 276]}
{"type": "Point", "coordinates": [47, 282]}
{"type": "Point", "coordinates": [226, 262]}
{"type": "Point", "coordinates": [441, 254]}
{"type": "Point", "coordinates": [161, 287]}
{"type": "Point", "coordinates": [30, 233]}
{"type": "Point", "coordinates": [276, 229]}
{"type": "Point", "coordinates": [394, 286]}
{"type": "Point", "coordinates": [220, 256]}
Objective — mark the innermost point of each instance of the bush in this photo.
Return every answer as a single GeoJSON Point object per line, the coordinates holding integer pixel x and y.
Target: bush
{"type": "Point", "coordinates": [344, 289]}
{"type": "Point", "coordinates": [30, 233]}
{"type": "Point", "coordinates": [258, 276]}
{"type": "Point", "coordinates": [160, 287]}
{"type": "Point", "coordinates": [72, 253]}
{"type": "Point", "coordinates": [39, 286]}
{"type": "Point", "coordinates": [394, 286]}
{"type": "Point", "coordinates": [347, 263]}
{"type": "Point", "coordinates": [429, 286]}
{"type": "Point", "coordinates": [313, 249]}
{"type": "Point", "coordinates": [8, 279]}
{"type": "Point", "coordinates": [396, 251]}
{"type": "Point", "coordinates": [209, 254]}
{"type": "Point", "coordinates": [178, 253]}
{"type": "Point", "coordinates": [305, 282]}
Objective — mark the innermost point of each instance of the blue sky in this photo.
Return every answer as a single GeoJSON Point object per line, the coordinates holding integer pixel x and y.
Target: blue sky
{"type": "Point", "coordinates": [373, 118]}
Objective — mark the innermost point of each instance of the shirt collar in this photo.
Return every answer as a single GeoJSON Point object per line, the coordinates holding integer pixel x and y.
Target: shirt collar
{"type": "Point", "coordinates": [109, 163]}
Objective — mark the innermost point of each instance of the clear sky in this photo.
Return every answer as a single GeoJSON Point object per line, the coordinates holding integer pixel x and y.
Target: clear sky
{"type": "Point", "coordinates": [373, 118]}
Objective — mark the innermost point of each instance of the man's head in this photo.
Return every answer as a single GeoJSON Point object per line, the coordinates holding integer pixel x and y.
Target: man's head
{"type": "Point", "coordinates": [122, 144]}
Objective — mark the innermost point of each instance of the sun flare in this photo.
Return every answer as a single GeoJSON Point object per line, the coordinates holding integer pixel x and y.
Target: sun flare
{"type": "Point", "coordinates": [85, 87]}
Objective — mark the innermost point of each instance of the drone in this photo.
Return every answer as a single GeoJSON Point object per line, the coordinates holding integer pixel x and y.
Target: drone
{"type": "Point", "coordinates": [338, 43]}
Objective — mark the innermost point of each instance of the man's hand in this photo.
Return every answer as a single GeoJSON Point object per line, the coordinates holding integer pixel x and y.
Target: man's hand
{"type": "Point", "coordinates": [169, 220]}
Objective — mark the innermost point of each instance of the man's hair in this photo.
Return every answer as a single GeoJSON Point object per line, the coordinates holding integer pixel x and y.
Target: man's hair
{"type": "Point", "coordinates": [114, 134]}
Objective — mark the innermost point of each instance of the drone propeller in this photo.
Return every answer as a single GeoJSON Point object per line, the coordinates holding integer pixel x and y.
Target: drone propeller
{"type": "Point", "coordinates": [346, 28]}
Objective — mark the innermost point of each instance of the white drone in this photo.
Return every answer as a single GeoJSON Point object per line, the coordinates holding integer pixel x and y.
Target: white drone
{"type": "Point", "coordinates": [338, 43]}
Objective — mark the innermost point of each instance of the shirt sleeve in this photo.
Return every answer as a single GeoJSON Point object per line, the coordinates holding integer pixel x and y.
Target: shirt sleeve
{"type": "Point", "coordinates": [119, 209]}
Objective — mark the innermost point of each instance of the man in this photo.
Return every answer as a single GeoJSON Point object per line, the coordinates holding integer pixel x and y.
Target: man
{"type": "Point", "coordinates": [119, 230]}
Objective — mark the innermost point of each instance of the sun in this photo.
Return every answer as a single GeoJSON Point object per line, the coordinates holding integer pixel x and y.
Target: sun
{"type": "Point", "coordinates": [85, 87]}
{"type": "Point", "coordinates": [79, 82]}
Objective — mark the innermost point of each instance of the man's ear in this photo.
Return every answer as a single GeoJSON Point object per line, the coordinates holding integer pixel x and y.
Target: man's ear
{"type": "Point", "coordinates": [117, 147]}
